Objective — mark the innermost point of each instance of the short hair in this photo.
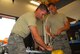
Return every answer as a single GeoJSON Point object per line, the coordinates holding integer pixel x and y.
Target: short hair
{"type": "Point", "coordinates": [51, 4]}
{"type": "Point", "coordinates": [43, 7]}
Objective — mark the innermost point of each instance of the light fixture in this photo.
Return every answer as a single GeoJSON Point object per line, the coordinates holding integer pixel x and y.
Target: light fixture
{"type": "Point", "coordinates": [35, 2]}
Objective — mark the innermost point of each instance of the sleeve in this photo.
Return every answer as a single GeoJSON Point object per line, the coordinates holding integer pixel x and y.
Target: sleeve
{"type": "Point", "coordinates": [65, 18]}
{"type": "Point", "coordinates": [31, 20]}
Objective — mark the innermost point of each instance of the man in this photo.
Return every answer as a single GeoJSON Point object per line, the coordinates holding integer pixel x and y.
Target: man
{"type": "Point", "coordinates": [24, 25]}
{"type": "Point", "coordinates": [56, 26]}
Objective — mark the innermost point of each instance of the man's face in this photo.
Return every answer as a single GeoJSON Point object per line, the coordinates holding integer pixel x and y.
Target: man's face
{"type": "Point", "coordinates": [41, 14]}
{"type": "Point", "coordinates": [52, 9]}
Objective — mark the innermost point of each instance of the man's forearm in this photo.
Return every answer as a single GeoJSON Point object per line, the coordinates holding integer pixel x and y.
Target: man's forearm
{"type": "Point", "coordinates": [39, 40]}
{"type": "Point", "coordinates": [64, 29]}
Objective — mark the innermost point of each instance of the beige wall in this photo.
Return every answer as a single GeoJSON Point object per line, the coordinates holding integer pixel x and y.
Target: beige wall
{"type": "Point", "coordinates": [72, 10]}
{"type": "Point", "coordinates": [16, 9]}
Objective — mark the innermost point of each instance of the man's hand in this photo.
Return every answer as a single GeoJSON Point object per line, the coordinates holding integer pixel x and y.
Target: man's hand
{"type": "Point", "coordinates": [41, 48]}
{"type": "Point", "coordinates": [53, 35]}
{"type": "Point", "coordinates": [58, 32]}
{"type": "Point", "coordinates": [49, 48]}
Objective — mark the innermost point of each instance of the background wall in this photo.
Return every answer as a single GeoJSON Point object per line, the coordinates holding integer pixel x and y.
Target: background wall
{"type": "Point", "coordinates": [71, 10]}
{"type": "Point", "coordinates": [15, 9]}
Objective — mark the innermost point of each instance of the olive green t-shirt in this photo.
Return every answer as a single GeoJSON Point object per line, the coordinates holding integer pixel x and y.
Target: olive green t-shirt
{"type": "Point", "coordinates": [55, 22]}
{"type": "Point", "coordinates": [21, 27]}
